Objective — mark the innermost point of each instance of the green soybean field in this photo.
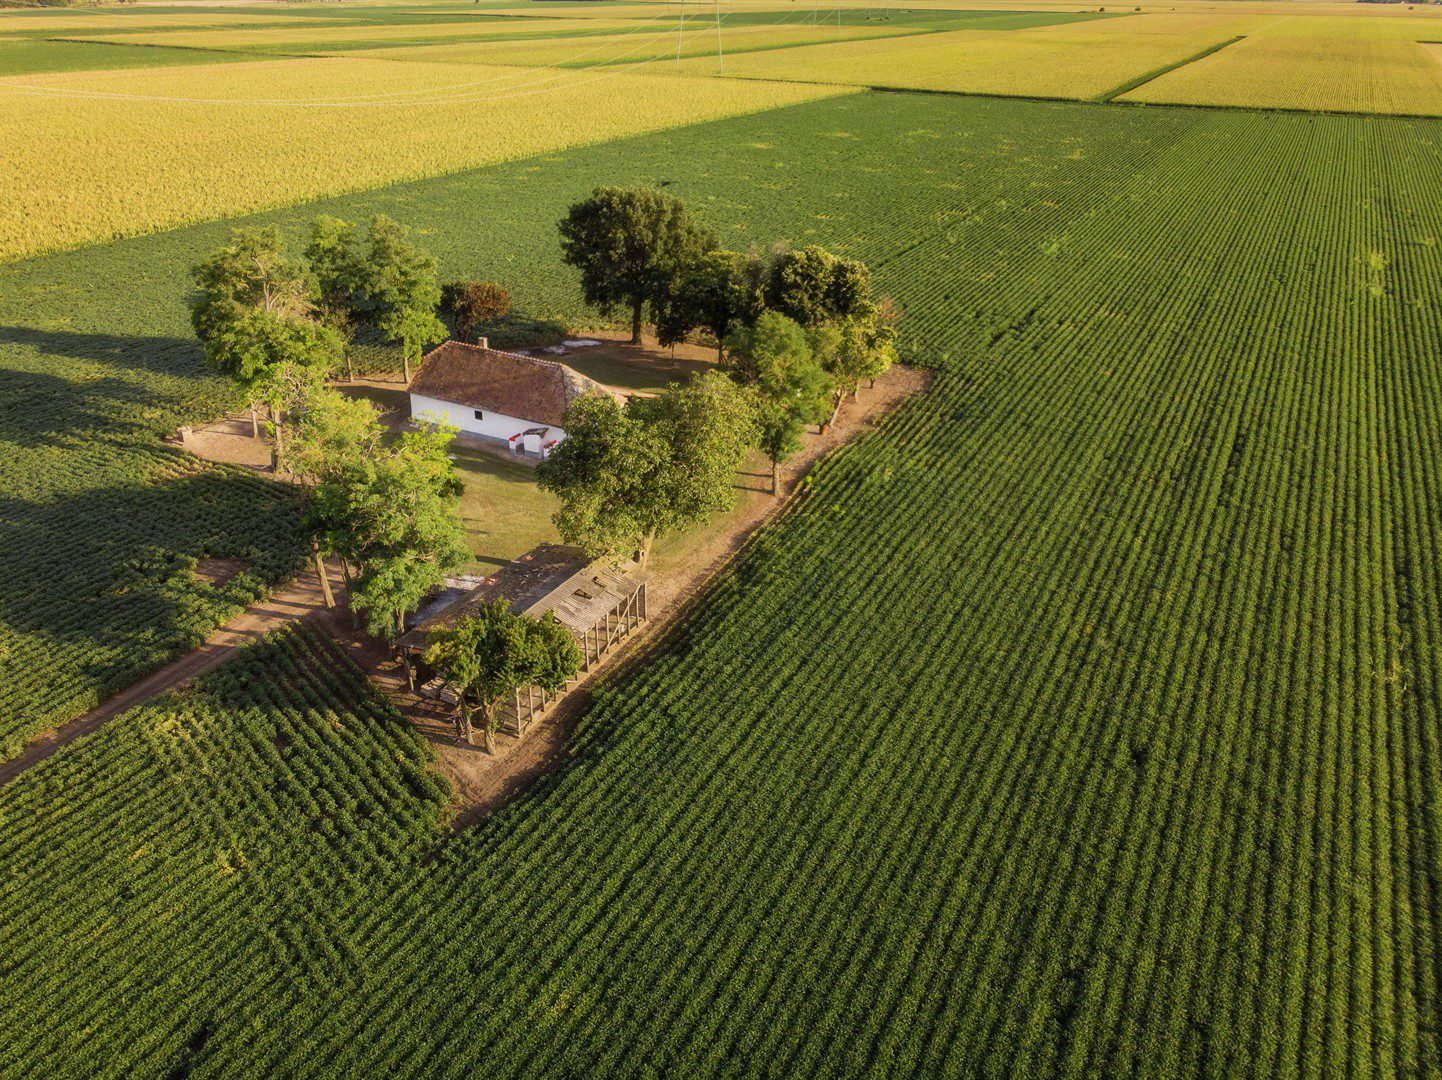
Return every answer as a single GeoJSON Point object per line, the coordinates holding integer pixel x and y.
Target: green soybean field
{"type": "Point", "coordinates": [1080, 719]}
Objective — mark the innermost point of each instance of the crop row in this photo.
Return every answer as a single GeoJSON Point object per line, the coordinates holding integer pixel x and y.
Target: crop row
{"type": "Point", "coordinates": [1081, 719]}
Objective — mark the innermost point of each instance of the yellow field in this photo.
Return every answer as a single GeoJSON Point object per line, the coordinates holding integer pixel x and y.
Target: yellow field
{"type": "Point", "coordinates": [1317, 73]}
{"type": "Point", "coordinates": [1075, 61]}
{"type": "Point", "coordinates": [306, 35]}
{"type": "Point", "coordinates": [1420, 25]}
{"type": "Point", "coordinates": [641, 47]}
{"type": "Point", "coordinates": [104, 19]}
{"type": "Point", "coordinates": [89, 156]}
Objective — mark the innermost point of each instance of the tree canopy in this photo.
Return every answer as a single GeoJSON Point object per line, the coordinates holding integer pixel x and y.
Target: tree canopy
{"type": "Point", "coordinates": [775, 357]}
{"type": "Point", "coordinates": [473, 304]}
{"type": "Point", "coordinates": [715, 292]}
{"type": "Point", "coordinates": [253, 313]}
{"type": "Point", "coordinates": [393, 513]}
{"type": "Point", "coordinates": [811, 285]}
{"type": "Point", "coordinates": [494, 652]}
{"type": "Point", "coordinates": [387, 282]}
{"type": "Point", "coordinates": [630, 245]}
{"type": "Point", "coordinates": [626, 475]}
{"type": "Point", "coordinates": [253, 272]}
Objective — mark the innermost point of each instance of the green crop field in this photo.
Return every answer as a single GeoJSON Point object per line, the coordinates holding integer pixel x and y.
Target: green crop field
{"type": "Point", "coordinates": [1081, 719]}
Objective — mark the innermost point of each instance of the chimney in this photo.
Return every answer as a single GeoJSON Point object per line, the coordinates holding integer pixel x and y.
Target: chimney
{"type": "Point", "coordinates": [483, 342]}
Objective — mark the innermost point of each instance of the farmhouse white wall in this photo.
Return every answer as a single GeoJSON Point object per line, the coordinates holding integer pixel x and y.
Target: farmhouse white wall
{"type": "Point", "coordinates": [495, 425]}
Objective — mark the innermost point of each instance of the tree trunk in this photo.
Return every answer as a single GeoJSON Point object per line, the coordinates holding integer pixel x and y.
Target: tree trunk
{"type": "Point", "coordinates": [643, 547]}
{"type": "Point", "coordinates": [345, 574]}
{"type": "Point", "coordinates": [254, 422]}
{"type": "Point", "coordinates": [835, 411]}
{"type": "Point", "coordinates": [490, 727]}
{"type": "Point", "coordinates": [278, 448]}
{"type": "Point", "coordinates": [636, 322]}
{"type": "Point", "coordinates": [776, 477]}
{"type": "Point", "coordinates": [400, 621]}
{"type": "Point", "coordinates": [349, 367]}
{"type": "Point", "coordinates": [406, 367]}
{"type": "Point", "coordinates": [322, 572]}
{"type": "Point", "coordinates": [463, 722]}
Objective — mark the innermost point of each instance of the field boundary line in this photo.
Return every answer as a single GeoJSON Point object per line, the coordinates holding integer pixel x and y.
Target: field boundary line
{"type": "Point", "coordinates": [1141, 80]}
{"type": "Point", "coordinates": [181, 48]}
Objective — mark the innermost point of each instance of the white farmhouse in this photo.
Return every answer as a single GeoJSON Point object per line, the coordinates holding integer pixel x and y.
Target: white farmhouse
{"type": "Point", "coordinates": [511, 399]}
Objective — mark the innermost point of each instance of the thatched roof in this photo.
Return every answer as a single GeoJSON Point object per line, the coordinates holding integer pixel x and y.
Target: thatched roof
{"type": "Point", "coordinates": [524, 387]}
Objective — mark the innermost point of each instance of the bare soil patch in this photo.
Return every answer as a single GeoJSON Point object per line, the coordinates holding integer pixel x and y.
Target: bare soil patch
{"type": "Point", "coordinates": [216, 571]}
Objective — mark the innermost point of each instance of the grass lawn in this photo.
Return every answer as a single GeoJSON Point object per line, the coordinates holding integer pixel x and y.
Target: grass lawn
{"type": "Point", "coordinates": [504, 510]}
{"type": "Point", "coordinates": [638, 368]}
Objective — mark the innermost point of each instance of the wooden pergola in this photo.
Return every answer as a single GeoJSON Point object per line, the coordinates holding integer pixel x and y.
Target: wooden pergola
{"type": "Point", "coordinates": [601, 604]}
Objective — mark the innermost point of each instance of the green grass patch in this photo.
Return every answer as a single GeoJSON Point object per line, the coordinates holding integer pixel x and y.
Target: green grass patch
{"type": "Point", "coordinates": [32, 56]}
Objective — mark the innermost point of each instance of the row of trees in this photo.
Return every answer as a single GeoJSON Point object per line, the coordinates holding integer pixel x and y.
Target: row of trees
{"type": "Point", "coordinates": [281, 325]}
{"type": "Point", "coordinates": [389, 510]}
{"type": "Point", "coordinates": [800, 329]}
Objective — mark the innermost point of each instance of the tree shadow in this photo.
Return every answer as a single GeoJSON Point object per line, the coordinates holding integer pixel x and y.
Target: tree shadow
{"type": "Point", "coordinates": [122, 388]}
{"type": "Point", "coordinates": [100, 587]}
{"type": "Point", "coordinates": [178, 357]}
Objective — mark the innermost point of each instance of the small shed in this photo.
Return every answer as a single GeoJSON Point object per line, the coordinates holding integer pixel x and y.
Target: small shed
{"type": "Point", "coordinates": [601, 604]}
{"type": "Point", "coordinates": [500, 396]}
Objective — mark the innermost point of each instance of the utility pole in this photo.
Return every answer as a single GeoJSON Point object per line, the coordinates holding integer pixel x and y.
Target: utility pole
{"type": "Point", "coordinates": [720, 58]}
{"type": "Point", "coordinates": [680, 32]}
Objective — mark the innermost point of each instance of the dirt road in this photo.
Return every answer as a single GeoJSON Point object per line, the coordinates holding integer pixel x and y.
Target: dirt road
{"type": "Point", "coordinates": [301, 597]}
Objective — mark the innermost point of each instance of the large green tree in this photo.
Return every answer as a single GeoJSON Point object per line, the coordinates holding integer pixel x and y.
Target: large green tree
{"type": "Point", "coordinates": [855, 351]}
{"type": "Point", "coordinates": [495, 652]}
{"type": "Point", "coordinates": [335, 436]}
{"type": "Point", "coordinates": [392, 512]}
{"type": "Point", "coordinates": [403, 290]}
{"type": "Point", "coordinates": [811, 286]}
{"type": "Point", "coordinates": [337, 264]}
{"type": "Point", "coordinates": [715, 292]}
{"type": "Point", "coordinates": [253, 274]}
{"type": "Point", "coordinates": [776, 358]}
{"type": "Point", "coordinates": [384, 281]}
{"type": "Point", "coordinates": [631, 244]}
{"type": "Point", "coordinates": [626, 475]}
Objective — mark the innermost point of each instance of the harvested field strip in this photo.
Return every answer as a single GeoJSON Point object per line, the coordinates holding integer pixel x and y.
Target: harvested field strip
{"type": "Point", "coordinates": [1142, 80]}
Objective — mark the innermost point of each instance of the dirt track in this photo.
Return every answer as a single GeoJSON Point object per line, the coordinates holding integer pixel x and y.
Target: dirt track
{"type": "Point", "coordinates": [299, 598]}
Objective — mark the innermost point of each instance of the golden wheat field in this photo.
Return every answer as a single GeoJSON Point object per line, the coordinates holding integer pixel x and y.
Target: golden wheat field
{"type": "Point", "coordinates": [95, 155]}
{"type": "Point", "coordinates": [1078, 61]}
{"type": "Point", "coordinates": [282, 36]}
{"type": "Point", "coordinates": [636, 47]}
{"type": "Point", "coordinates": [1374, 76]}
{"type": "Point", "coordinates": [1415, 24]}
